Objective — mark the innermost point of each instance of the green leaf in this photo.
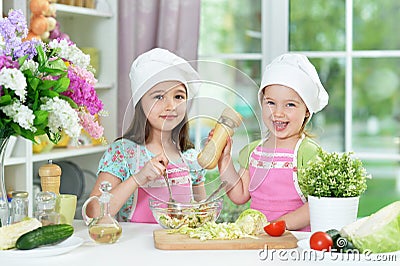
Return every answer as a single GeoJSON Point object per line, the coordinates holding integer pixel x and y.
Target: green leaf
{"type": "Point", "coordinates": [42, 58]}
{"type": "Point", "coordinates": [55, 67]}
{"type": "Point", "coordinates": [49, 93]}
{"type": "Point", "coordinates": [27, 73]}
{"type": "Point", "coordinates": [57, 64]}
{"type": "Point", "coordinates": [40, 131]}
{"type": "Point", "coordinates": [62, 85]}
{"type": "Point", "coordinates": [47, 84]}
{"type": "Point", "coordinates": [34, 82]}
{"type": "Point", "coordinates": [16, 128]}
{"type": "Point", "coordinates": [41, 117]}
{"type": "Point", "coordinates": [5, 100]}
{"type": "Point", "coordinates": [35, 97]}
{"type": "Point", "coordinates": [54, 52]}
{"type": "Point", "coordinates": [70, 101]}
{"type": "Point", "coordinates": [51, 71]}
{"type": "Point", "coordinates": [22, 59]}
{"type": "Point", "coordinates": [28, 134]}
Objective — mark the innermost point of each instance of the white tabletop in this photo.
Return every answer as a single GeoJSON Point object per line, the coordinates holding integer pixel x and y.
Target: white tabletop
{"type": "Point", "coordinates": [136, 247]}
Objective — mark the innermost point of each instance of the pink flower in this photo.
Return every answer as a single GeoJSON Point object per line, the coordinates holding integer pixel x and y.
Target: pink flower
{"type": "Point", "coordinates": [81, 89]}
{"type": "Point", "coordinates": [89, 123]}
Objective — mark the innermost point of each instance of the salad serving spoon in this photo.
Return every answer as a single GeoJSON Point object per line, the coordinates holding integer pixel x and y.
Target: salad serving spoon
{"type": "Point", "coordinates": [171, 200]}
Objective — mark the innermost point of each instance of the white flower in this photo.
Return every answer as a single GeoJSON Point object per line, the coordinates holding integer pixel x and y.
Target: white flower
{"type": "Point", "coordinates": [20, 114]}
{"type": "Point", "coordinates": [13, 79]}
{"type": "Point", "coordinates": [71, 53]}
{"type": "Point", "coordinates": [61, 116]}
{"type": "Point", "coordinates": [29, 64]}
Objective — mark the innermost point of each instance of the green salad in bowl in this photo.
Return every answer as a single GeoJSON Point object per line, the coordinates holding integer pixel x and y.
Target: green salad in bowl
{"type": "Point", "coordinates": [173, 215]}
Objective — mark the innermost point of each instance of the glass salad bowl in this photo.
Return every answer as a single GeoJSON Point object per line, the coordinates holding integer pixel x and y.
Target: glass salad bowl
{"type": "Point", "coordinates": [173, 215]}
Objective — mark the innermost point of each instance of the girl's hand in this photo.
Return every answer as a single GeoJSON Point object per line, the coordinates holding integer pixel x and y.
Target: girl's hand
{"type": "Point", "coordinates": [210, 134]}
{"type": "Point", "coordinates": [151, 170]}
{"type": "Point", "coordinates": [226, 157]}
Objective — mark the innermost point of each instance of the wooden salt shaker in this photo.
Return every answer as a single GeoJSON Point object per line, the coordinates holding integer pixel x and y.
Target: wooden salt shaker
{"type": "Point", "coordinates": [50, 175]}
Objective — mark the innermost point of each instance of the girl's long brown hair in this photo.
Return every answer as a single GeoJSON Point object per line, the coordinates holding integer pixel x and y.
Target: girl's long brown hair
{"type": "Point", "coordinates": [139, 130]}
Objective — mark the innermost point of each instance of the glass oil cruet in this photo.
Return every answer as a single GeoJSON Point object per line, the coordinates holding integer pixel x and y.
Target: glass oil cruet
{"type": "Point", "coordinates": [103, 229]}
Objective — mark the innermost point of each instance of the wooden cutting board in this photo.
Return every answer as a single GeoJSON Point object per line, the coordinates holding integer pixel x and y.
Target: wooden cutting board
{"type": "Point", "coordinates": [166, 241]}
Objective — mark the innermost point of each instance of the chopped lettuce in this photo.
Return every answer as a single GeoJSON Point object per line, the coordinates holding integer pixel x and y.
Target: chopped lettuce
{"type": "Point", "coordinates": [249, 224]}
{"type": "Point", "coordinates": [212, 230]}
{"type": "Point", "coordinates": [252, 221]}
{"type": "Point", "coordinates": [378, 232]}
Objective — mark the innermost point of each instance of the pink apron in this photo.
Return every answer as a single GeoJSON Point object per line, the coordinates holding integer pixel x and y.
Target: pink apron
{"type": "Point", "coordinates": [273, 182]}
{"type": "Point", "coordinates": [180, 182]}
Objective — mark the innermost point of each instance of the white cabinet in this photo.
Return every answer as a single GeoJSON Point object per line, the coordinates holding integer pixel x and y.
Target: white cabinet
{"type": "Point", "coordinates": [87, 28]}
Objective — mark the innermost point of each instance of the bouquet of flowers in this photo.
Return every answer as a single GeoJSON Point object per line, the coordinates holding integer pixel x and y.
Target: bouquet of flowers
{"type": "Point", "coordinates": [45, 88]}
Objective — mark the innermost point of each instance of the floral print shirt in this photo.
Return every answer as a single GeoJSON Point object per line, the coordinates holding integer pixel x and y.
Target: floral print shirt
{"type": "Point", "coordinates": [123, 158]}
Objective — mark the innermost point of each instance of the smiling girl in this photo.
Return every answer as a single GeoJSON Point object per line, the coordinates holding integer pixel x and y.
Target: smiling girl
{"type": "Point", "coordinates": [156, 142]}
{"type": "Point", "coordinates": [289, 94]}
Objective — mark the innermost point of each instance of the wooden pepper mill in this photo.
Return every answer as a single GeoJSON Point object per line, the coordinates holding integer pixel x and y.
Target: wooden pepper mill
{"type": "Point", "coordinates": [50, 175]}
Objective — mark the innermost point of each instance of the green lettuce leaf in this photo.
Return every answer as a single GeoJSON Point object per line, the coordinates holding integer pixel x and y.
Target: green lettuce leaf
{"type": "Point", "coordinates": [252, 222]}
{"type": "Point", "coordinates": [377, 233]}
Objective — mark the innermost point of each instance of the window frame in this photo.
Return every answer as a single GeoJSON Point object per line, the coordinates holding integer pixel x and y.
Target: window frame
{"type": "Point", "coordinates": [275, 41]}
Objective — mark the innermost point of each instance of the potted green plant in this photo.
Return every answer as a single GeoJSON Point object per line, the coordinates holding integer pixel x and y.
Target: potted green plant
{"type": "Point", "coordinates": [333, 184]}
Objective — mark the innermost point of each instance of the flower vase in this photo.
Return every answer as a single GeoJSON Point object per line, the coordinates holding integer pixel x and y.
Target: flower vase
{"type": "Point", "coordinates": [332, 213]}
{"type": "Point", "coordinates": [4, 211]}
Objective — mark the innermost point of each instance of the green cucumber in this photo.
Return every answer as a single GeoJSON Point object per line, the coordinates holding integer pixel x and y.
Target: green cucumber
{"type": "Point", "coordinates": [45, 235]}
{"type": "Point", "coordinates": [334, 234]}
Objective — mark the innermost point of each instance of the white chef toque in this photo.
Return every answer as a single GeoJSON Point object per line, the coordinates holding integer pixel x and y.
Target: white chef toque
{"type": "Point", "coordinates": [158, 65]}
{"type": "Point", "coordinates": [296, 72]}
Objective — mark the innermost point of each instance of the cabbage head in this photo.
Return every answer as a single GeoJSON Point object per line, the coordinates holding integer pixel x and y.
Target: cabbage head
{"type": "Point", "coordinates": [379, 232]}
{"type": "Point", "coordinates": [252, 222]}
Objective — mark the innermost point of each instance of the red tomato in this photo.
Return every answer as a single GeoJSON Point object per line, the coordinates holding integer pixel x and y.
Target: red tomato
{"type": "Point", "coordinates": [321, 241]}
{"type": "Point", "coordinates": [275, 228]}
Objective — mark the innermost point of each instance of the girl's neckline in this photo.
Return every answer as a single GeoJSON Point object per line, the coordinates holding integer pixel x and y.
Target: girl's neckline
{"type": "Point", "coordinates": [179, 161]}
{"type": "Point", "coordinates": [272, 150]}
{"type": "Point", "coordinates": [151, 154]}
{"type": "Point", "coordinates": [265, 140]}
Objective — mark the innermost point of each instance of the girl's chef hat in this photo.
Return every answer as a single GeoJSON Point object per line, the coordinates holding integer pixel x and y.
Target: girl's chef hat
{"type": "Point", "coordinates": [158, 65]}
{"type": "Point", "coordinates": [296, 72]}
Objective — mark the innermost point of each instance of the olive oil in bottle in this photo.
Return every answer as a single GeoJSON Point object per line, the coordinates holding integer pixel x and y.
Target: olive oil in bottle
{"type": "Point", "coordinates": [103, 229]}
{"type": "Point", "coordinates": [105, 233]}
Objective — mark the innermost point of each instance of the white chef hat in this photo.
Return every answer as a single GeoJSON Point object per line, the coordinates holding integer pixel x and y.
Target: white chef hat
{"type": "Point", "coordinates": [296, 72]}
{"type": "Point", "coordinates": [158, 65]}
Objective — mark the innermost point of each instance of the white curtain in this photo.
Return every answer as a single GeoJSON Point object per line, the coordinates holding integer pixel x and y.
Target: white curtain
{"type": "Point", "coordinates": [146, 24]}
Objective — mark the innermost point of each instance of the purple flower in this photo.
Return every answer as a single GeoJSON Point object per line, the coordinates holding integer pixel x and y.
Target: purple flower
{"type": "Point", "coordinates": [13, 28]}
{"type": "Point", "coordinates": [7, 62]}
{"type": "Point", "coordinates": [18, 21]}
{"type": "Point", "coordinates": [27, 48]}
{"type": "Point", "coordinates": [10, 38]}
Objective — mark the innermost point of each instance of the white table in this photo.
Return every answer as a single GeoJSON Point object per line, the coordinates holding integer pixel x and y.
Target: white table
{"type": "Point", "coordinates": [136, 247]}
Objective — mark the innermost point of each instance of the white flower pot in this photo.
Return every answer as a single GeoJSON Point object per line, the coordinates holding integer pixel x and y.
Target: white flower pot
{"type": "Point", "coordinates": [332, 213]}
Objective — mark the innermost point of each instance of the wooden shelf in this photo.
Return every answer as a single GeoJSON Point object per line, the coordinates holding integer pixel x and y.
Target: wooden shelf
{"type": "Point", "coordinates": [76, 11]}
{"type": "Point", "coordinates": [59, 153]}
